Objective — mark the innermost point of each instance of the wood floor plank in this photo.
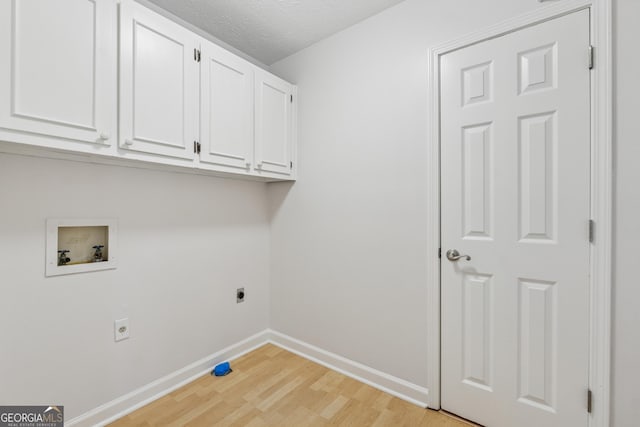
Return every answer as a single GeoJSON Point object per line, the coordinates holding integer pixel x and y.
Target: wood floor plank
{"type": "Point", "coordinates": [273, 387]}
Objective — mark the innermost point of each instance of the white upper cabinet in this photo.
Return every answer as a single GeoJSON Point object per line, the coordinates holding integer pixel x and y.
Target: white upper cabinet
{"type": "Point", "coordinates": [114, 78]}
{"type": "Point", "coordinates": [58, 84]}
{"type": "Point", "coordinates": [274, 125]}
{"type": "Point", "coordinates": [158, 84]}
{"type": "Point", "coordinates": [226, 109]}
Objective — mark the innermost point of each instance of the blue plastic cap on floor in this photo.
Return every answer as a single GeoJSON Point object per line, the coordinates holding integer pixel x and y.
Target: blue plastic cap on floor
{"type": "Point", "coordinates": [222, 369]}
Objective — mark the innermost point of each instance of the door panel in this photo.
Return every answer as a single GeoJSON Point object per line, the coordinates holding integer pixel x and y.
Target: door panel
{"type": "Point", "coordinates": [158, 84]}
{"type": "Point", "coordinates": [537, 329]}
{"type": "Point", "coordinates": [515, 144]}
{"type": "Point", "coordinates": [537, 146]}
{"type": "Point", "coordinates": [57, 78]}
{"type": "Point", "coordinates": [476, 186]}
{"type": "Point", "coordinates": [226, 127]}
{"type": "Point", "coordinates": [158, 62]}
{"type": "Point", "coordinates": [273, 124]}
{"type": "Point", "coordinates": [477, 331]}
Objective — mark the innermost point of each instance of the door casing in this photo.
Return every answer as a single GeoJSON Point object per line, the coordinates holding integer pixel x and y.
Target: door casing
{"type": "Point", "coordinates": [601, 194]}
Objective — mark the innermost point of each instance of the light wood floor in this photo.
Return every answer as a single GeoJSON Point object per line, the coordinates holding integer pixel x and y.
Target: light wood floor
{"type": "Point", "coordinates": [273, 387]}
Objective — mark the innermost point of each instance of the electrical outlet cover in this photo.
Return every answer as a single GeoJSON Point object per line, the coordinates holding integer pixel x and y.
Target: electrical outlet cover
{"type": "Point", "coordinates": [121, 329]}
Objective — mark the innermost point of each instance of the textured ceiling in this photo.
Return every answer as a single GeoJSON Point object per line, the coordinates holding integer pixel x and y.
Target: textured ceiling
{"type": "Point", "coordinates": [270, 30]}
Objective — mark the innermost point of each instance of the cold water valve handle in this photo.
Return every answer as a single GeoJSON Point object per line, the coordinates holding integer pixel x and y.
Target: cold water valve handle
{"type": "Point", "coordinates": [97, 255]}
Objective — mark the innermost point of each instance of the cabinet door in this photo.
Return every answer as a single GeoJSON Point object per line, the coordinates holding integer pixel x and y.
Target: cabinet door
{"type": "Point", "coordinates": [158, 84]}
{"type": "Point", "coordinates": [226, 108]}
{"type": "Point", "coordinates": [273, 104]}
{"type": "Point", "coordinates": [58, 71]}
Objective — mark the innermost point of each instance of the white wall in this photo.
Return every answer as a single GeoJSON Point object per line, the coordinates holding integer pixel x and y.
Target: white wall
{"type": "Point", "coordinates": [349, 239]}
{"type": "Point", "coordinates": [625, 403]}
{"type": "Point", "coordinates": [186, 242]}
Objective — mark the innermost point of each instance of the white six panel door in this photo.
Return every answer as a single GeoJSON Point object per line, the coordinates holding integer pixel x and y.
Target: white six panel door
{"type": "Point", "coordinates": [158, 84]}
{"type": "Point", "coordinates": [57, 76]}
{"type": "Point", "coordinates": [515, 143]}
{"type": "Point", "coordinates": [273, 144]}
{"type": "Point", "coordinates": [226, 108]}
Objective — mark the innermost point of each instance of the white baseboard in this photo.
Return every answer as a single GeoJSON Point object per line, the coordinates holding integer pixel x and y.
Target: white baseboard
{"type": "Point", "coordinates": [123, 405]}
{"type": "Point", "coordinates": [398, 387]}
{"type": "Point", "coordinates": [128, 403]}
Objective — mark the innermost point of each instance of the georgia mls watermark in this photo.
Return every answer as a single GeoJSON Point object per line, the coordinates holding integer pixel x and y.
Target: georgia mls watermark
{"type": "Point", "coordinates": [31, 416]}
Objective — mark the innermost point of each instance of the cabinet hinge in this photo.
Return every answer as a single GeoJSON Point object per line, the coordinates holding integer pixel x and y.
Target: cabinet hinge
{"type": "Point", "coordinates": [196, 55]}
{"type": "Point", "coordinates": [291, 98]}
{"type": "Point", "coordinates": [439, 252]}
{"type": "Point", "coordinates": [591, 57]}
{"type": "Point", "coordinates": [290, 165]}
{"type": "Point", "coordinates": [592, 226]}
{"type": "Point", "coordinates": [589, 401]}
{"type": "Point", "coordinates": [196, 147]}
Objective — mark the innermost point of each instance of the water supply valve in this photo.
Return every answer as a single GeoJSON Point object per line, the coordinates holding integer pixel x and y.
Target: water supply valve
{"type": "Point", "coordinates": [63, 259]}
{"type": "Point", "coordinates": [97, 255]}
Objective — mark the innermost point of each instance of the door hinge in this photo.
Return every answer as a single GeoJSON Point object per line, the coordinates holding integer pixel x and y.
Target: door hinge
{"type": "Point", "coordinates": [196, 147]}
{"type": "Point", "coordinates": [592, 226]}
{"type": "Point", "coordinates": [196, 55]}
{"type": "Point", "coordinates": [591, 57]}
{"type": "Point", "coordinates": [589, 400]}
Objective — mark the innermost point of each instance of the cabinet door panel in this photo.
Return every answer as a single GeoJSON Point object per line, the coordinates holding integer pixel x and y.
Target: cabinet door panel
{"type": "Point", "coordinates": [158, 84]}
{"type": "Point", "coordinates": [273, 124]}
{"type": "Point", "coordinates": [58, 77]}
{"type": "Point", "coordinates": [226, 109]}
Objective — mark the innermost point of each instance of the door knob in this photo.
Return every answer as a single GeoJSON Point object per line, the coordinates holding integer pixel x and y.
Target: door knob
{"type": "Point", "coordinates": [454, 255]}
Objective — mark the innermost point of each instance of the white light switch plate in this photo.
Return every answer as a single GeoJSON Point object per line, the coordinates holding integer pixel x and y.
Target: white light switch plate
{"type": "Point", "coordinates": [121, 329]}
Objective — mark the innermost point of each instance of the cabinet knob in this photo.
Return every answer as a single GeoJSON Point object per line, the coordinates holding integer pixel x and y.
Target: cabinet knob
{"type": "Point", "coordinates": [259, 165]}
{"type": "Point", "coordinates": [105, 136]}
{"type": "Point", "coordinates": [248, 165]}
{"type": "Point", "coordinates": [128, 142]}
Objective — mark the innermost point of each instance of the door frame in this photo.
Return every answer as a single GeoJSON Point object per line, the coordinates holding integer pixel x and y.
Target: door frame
{"type": "Point", "coordinates": [601, 194]}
